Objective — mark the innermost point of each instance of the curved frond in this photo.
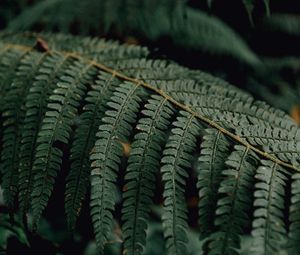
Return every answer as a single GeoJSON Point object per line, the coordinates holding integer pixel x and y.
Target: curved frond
{"type": "Point", "coordinates": [234, 203]}
{"type": "Point", "coordinates": [143, 165]}
{"type": "Point", "coordinates": [75, 113]}
{"type": "Point", "coordinates": [214, 148]}
{"type": "Point", "coordinates": [177, 156]}
{"type": "Point", "coordinates": [13, 113]}
{"type": "Point", "coordinates": [55, 129]}
{"type": "Point", "coordinates": [36, 101]}
{"type": "Point", "coordinates": [269, 227]}
{"type": "Point", "coordinates": [106, 157]}
{"type": "Point", "coordinates": [84, 139]}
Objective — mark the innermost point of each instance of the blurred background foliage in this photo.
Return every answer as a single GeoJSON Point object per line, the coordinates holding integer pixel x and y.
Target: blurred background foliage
{"type": "Point", "coordinates": [254, 44]}
{"type": "Point", "coordinates": [251, 43]}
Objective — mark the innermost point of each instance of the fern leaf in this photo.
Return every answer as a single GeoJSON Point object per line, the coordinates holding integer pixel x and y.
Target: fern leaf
{"type": "Point", "coordinates": [235, 113]}
{"type": "Point", "coordinates": [214, 148]}
{"type": "Point", "coordinates": [287, 151]}
{"type": "Point", "coordinates": [176, 157]}
{"type": "Point", "coordinates": [71, 102]}
{"type": "Point", "coordinates": [10, 59]}
{"type": "Point", "coordinates": [234, 203]}
{"type": "Point", "coordinates": [265, 135]}
{"type": "Point", "coordinates": [278, 142]}
{"type": "Point", "coordinates": [13, 120]}
{"type": "Point", "coordinates": [36, 102]}
{"type": "Point", "coordinates": [269, 228]}
{"type": "Point", "coordinates": [56, 127]}
{"type": "Point", "coordinates": [106, 157]}
{"type": "Point", "coordinates": [143, 162]}
{"type": "Point", "coordinates": [84, 139]}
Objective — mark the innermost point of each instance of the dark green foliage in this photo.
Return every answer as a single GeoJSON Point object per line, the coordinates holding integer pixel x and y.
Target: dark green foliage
{"type": "Point", "coordinates": [13, 112]}
{"type": "Point", "coordinates": [152, 19]}
{"type": "Point", "coordinates": [73, 113]}
{"type": "Point", "coordinates": [214, 148]}
{"type": "Point", "coordinates": [233, 207]}
{"type": "Point", "coordinates": [106, 156]}
{"type": "Point", "coordinates": [178, 155]}
{"type": "Point", "coordinates": [269, 227]}
{"type": "Point", "coordinates": [142, 167]}
{"type": "Point", "coordinates": [7, 230]}
{"type": "Point", "coordinates": [36, 102]}
{"type": "Point", "coordinates": [55, 129]}
{"type": "Point", "coordinates": [84, 139]}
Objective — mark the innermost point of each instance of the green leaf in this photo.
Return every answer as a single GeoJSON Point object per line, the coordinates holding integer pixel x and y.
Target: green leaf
{"type": "Point", "coordinates": [176, 159]}
{"type": "Point", "coordinates": [106, 157]}
{"type": "Point", "coordinates": [142, 167]}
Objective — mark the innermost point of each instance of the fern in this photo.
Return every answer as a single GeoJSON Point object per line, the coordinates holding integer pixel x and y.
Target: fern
{"type": "Point", "coordinates": [77, 110]}
{"type": "Point", "coordinates": [177, 157]}
{"type": "Point", "coordinates": [107, 156]}
{"type": "Point", "coordinates": [140, 173]}
{"type": "Point", "coordinates": [36, 101]}
{"type": "Point", "coordinates": [55, 128]}
{"type": "Point", "coordinates": [232, 213]}
{"type": "Point", "coordinates": [13, 112]}
{"type": "Point", "coordinates": [89, 120]}
{"type": "Point", "coordinates": [214, 148]}
{"type": "Point", "coordinates": [269, 229]}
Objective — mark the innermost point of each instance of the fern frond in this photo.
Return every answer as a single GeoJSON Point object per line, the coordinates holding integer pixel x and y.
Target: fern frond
{"type": "Point", "coordinates": [269, 227]}
{"type": "Point", "coordinates": [36, 101]}
{"type": "Point", "coordinates": [106, 157]}
{"type": "Point", "coordinates": [143, 163]}
{"type": "Point", "coordinates": [55, 129]}
{"type": "Point", "coordinates": [73, 106]}
{"type": "Point", "coordinates": [13, 113]}
{"type": "Point", "coordinates": [84, 139]}
{"type": "Point", "coordinates": [177, 157]}
{"type": "Point", "coordinates": [236, 113]}
{"type": "Point", "coordinates": [214, 148]}
{"type": "Point", "coordinates": [263, 135]}
{"type": "Point", "coordinates": [282, 143]}
{"type": "Point", "coordinates": [111, 53]}
{"type": "Point", "coordinates": [10, 60]}
{"type": "Point", "coordinates": [234, 203]}
{"type": "Point", "coordinates": [285, 151]}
